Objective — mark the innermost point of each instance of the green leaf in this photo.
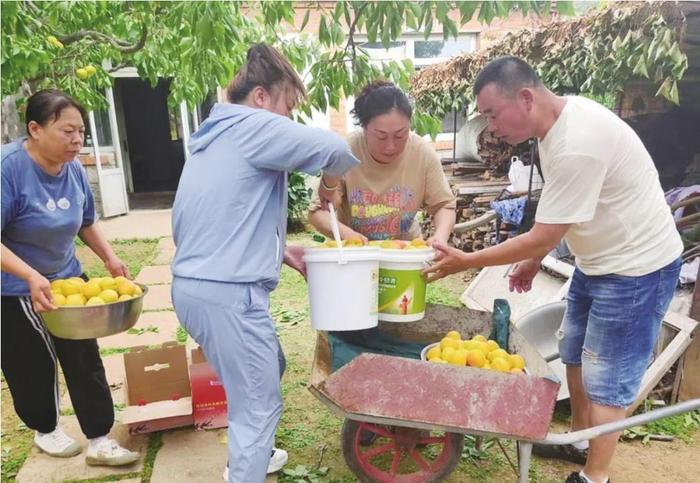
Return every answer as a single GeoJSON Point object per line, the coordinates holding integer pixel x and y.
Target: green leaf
{"type": "Point", "coordinates": [305, 20]}
{"type": "Point", "coordinates": [641, 67]}
{"type": "Point", "coordinates": [673, 93]}
{"type": "Point", "coordinates": [566, 7]}
{"type": "Point", "coordinates": [466, 11]}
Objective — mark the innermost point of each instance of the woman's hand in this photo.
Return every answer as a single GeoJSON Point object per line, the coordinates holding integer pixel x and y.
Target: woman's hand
{"type": "Point", "coordinates": [293, 257]}
{"type": "Point", "coordinates": [329, 192]}
{"type": "Point", "coordinates": [436, 238]}
{"type": "Point", "coordinates": [353, 234]}
{"type": "Point", "coordinates": [117, 268]}
{"type": "Point", "coordinates": [40, 292]}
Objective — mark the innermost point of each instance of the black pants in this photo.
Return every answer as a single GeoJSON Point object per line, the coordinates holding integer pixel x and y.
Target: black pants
{"type": "Point", "coordinates": [30, 356]}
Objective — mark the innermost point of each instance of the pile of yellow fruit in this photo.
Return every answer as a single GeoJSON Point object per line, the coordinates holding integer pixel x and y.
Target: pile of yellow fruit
{"type": "Point", "coordinates": [475, 352]}
{"type": "Point", "coordinates": [350, 242]}
{"type": "Point", "coordinates": [415, 244]}
{"type": "Point", "coordinates": [75, 292]}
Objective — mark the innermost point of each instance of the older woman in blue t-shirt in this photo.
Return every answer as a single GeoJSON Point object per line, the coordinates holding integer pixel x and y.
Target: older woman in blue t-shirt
{"type": "Point", "coordinates": [46, 202]}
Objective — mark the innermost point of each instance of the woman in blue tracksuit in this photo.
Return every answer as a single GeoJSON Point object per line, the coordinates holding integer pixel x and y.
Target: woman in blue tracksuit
{"type": "Point", "coordinates": [229, 225]}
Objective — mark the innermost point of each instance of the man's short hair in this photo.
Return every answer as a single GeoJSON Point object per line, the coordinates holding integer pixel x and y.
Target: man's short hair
{"type": "Point", "coordinates": [509, 73]}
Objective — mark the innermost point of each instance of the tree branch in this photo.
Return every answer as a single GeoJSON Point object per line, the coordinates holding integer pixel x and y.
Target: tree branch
{"type": "Point", "coordinates": [351, 32]}
{"type": "Point", "coordinates": [117, 67]}
{"type": "Point", "coordinates": [120, 45]}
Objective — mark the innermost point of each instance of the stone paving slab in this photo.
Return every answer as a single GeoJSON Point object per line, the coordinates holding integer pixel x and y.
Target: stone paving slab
{"type": "Point", "coordinates": [166, 243]}
{"type": "Point", "coordinates": [41, 468]}
{"type": "Point", "coordinates": [192, 457]}
{"type": "Point", "coordinates": [167, 324]}
{"type": "Point", "coordinates": [116, 375]}
{"type": "Point", "coordinates": [158, 298]}
{"type": "Point", "coordinates": [166, 251]}
{"type": "Point", "coordinates": [165, 257]}
{"type": "Point", "coordinates": [138, 224]}
{"type": "Point", "coordinates": [155, 275]}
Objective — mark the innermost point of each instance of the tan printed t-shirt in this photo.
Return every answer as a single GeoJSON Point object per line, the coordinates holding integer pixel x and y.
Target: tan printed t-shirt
{"type": "Point", "coordinates": [381, 201]}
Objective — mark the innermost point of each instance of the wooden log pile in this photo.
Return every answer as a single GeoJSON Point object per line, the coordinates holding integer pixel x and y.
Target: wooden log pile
{"type": "Point", "coordinates": [475, 220]}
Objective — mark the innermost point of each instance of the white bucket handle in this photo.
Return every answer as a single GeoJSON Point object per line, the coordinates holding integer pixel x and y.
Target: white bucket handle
{"type": "Point", "coordinates": [336, 234]}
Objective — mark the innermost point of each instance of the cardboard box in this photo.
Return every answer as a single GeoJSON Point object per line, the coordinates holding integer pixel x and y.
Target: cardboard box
{"type": "Point", "coordinates": [158, 389]}
{"type": "Point", "coordinates": [209, 408]}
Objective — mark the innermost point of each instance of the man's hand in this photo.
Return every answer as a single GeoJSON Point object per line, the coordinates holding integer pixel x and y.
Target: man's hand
{"type": "Point", "coordinates": [447, 261]}
{"type": "Point", "coordinates": [40, 290]}
{"type": "Point", "coordinates": [293, 257]}
{"type": "Point", "coordinates": [117, 268]}
{"type": "Point", "coordinates": [520, 279]}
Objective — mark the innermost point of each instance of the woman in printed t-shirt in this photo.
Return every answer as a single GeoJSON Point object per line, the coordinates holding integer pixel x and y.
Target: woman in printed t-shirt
{"type": "Point", "coordinates": [400, 174]}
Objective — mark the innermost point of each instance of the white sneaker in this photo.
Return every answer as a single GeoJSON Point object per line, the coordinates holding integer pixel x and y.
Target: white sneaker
{"type": "Point", "coordinates": [107, 452]}
{"type": "Point", "coordinates": [278, 459]}
{"type": "Point", "coordinates": [57, 443]}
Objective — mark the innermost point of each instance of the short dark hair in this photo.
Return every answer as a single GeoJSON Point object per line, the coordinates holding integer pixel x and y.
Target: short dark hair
{"type": "Point", "coordinates": [267, 68]}
{"type": "Point", "coordinates": [46, 105]}
{"type": "Point", "coordinates": [509, 73]}
{"type": "Point", "coordinates": [377, 98]}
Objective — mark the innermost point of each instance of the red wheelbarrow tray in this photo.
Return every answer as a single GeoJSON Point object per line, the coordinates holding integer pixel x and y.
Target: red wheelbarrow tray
{"type": "Point", "coordinates": [405, 392]}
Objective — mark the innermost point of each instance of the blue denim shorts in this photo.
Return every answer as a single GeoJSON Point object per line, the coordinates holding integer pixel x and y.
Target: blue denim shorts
{"type": "Point", "coordinates": [610, 328]}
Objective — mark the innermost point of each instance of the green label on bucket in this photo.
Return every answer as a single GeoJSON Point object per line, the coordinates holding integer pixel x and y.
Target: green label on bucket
{"type": "Point", "coordinates": [401, 292]}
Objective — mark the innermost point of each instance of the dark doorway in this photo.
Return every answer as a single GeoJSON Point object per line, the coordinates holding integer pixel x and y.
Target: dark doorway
{"type": "Point", "coordinates": [154, 134]}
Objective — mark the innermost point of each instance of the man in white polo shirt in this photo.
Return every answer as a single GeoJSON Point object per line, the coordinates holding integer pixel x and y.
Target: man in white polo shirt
{"type": "Point", "coordinates": [602, 195]}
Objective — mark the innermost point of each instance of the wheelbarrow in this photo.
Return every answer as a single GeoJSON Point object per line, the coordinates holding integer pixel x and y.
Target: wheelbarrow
{"type": "Point", "coordinates": [420, 412]}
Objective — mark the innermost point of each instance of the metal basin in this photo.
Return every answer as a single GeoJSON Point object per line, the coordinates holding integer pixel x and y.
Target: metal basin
{"type": "Point", "coordinates": [94, 321]}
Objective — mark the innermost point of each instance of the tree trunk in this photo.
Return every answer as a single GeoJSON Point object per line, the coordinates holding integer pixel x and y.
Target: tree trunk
{"type": "Point", "coordinates": [11, 126]}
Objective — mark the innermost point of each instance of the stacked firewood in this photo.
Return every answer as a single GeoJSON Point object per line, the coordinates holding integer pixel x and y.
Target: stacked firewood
{"type": "Point", "coordinates": [475, 226]}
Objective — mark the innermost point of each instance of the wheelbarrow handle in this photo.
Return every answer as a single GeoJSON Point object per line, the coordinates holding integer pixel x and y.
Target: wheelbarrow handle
{"type": "Point", "coordinates": [639, 419]}
{"type": "Point", "coordinates": [525, 447]}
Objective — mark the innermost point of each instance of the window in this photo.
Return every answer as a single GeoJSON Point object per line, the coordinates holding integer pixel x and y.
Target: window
{"type": "Point", "coordinates": [376, 50]}
{"type": "Point", "coordinates": [104, 130]}
{"type": "Point", "coordinates": [444, 49]}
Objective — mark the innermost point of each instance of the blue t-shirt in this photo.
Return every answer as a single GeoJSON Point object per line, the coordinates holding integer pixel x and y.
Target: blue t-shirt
{"type": "Point", "coordinates": [41, 215]}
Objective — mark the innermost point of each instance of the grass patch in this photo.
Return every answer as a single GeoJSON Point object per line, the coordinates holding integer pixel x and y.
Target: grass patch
{"type": "Point", "coordinates": [110, 351]}
{"type": "Point", "coordinates": [681, 426]}
{"type": "Point", "coordinates": [135, 253]}
{"type": "Point", "coordinates": [155, 443]}
{"type": "Point", "coordinates": [181, 335]}
{"type": "Point", "coordinates": [16, 439]}
{"type": "Point", "coordinates": [448, 290]}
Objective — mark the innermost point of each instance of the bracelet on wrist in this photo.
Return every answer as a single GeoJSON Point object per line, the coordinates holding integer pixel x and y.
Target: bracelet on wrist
{"type": "Point", "coordinates": [329, 188]}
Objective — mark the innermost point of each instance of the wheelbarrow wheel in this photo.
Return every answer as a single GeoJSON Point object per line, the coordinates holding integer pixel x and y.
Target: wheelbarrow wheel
{"type": "Point", "coordinates": [399, 454]}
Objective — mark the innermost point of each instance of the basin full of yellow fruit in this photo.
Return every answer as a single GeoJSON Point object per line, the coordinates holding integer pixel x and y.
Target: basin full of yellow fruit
{"type": "Point", "coordinates": [477, 352]}
{"type": "Point", "coordinates": [94, 308]}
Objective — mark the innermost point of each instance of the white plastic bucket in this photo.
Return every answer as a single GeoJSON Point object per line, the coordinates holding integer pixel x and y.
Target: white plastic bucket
{"type": "Point", "coordinates": [401, 284]}
{"type": "Point", "coordinates": [342, 296]}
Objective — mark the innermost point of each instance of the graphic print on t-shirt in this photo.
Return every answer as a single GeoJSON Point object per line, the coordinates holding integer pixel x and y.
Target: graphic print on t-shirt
{"type": "Point", "coordinates": [382, 216]}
